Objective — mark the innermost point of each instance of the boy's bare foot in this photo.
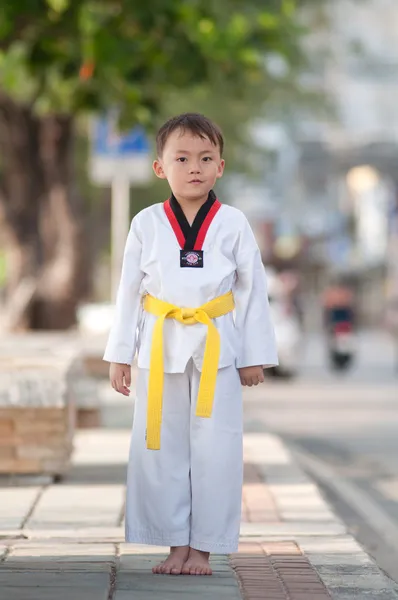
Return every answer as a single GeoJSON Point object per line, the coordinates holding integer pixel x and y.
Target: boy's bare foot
{"type": "Point", "coordinates": [174, 562]}
{"type": "Point", "coordinates": [197, 563]}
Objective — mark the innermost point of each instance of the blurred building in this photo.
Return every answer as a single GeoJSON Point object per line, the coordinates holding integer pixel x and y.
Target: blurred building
{"type": "Point", "coordinates": [336, 176]}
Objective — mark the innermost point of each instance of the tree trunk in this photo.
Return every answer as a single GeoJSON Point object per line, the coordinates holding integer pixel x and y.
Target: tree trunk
{"type": "Point", "coordinates": [48, 271]}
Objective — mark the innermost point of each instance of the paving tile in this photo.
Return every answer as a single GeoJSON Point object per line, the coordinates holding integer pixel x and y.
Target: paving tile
{"type": "Point", "coordinates": [38, 566]}
{"type": "Point", "coordinates": [15, 504]}
{"type": "Point", "coordinates": [55, 557]}
{"type": "Point", "coordinates": [135, 579]}
{"type": "Point", "coordinates": [191, 593]}
{"type": "Point", "coordinates": [265, 449]}
{"type": "Point", "coordinates": [140, 581]}
{"type": "Point", "coordinates": [292, 529]}
{"type": "Point", "coordinates": [310, 516]}
{"type": "Point", "coordinates": [258, 501]}
{"type": "Point", "coordinates": [283, 549]}
{"type": "Point", "coordinates": [127, 549]}
{"type": "Point", "coordinates": [343, 544]}
{"type": "Point", "coordinates": [52, 593]}
{"type": "Point", "coordinates": [291, 547]}
{"type": "Point", "coordinates": [372, 580]}
{"type": "Point", "coordinates": [276, 570]}
{"type": "Point", "coordinates": [144, 562]}
{"type": "Point", "coordinates": [40, 579]}
{"type": "Point", "coordinates": [65, 550]}
{"type": "Point", "coordinates": [77, 535]}
{"type": "Point", "coordinates": [342, 593]}
{"type": "Point", "coordinates": [74, 506]}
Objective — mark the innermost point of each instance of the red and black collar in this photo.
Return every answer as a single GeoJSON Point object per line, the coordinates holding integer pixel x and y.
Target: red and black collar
{"type": "Point", "coordinates": [191, 237]}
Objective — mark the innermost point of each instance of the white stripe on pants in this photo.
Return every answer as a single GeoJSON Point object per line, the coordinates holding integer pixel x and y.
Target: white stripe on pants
{"type": "Point", "coordinates": [188, 492]}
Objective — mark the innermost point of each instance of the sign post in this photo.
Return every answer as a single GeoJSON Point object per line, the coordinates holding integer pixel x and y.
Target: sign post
{"type": "Point", "coordinates": [120, 221]}
{"type": "Point", "coordinates": [119, 160]}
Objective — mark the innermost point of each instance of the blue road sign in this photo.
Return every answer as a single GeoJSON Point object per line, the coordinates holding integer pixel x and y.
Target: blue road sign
{"type": "Point", "coordinates": [108, 141]}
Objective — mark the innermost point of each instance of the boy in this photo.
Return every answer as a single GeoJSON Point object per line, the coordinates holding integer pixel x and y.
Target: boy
{"type": "Point", "coordinates": [193, 289]}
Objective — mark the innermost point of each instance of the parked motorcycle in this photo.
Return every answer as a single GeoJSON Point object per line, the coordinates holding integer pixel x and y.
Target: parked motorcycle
{"type": "Point", "coordinates": [341, 338]}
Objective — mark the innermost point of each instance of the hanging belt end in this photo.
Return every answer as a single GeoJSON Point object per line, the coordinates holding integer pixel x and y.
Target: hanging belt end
{"type": "Point", "coordinates": [153, 440]}
{"type": "Point", "coordinates": [205, 413]}
{"type": "Point", "coordinates": [153, 445]}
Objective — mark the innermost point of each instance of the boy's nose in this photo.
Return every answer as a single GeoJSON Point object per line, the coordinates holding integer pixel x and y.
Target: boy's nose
{"type": "Point", "coordinates": [195, 169]}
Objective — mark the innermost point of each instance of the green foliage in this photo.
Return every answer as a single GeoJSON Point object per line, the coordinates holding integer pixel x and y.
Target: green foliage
{"type": "Point", "coordinates": [81, 55]}
{"type": "Point", "coordinates": [153, 59]}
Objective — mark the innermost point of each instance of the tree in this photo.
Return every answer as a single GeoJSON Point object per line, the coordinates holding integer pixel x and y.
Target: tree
{"type": "Point", "coordinates": [63, 58]}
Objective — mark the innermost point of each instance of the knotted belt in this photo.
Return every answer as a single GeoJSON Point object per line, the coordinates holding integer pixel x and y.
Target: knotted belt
{"type": "Point", "coordinates": [188, 316]}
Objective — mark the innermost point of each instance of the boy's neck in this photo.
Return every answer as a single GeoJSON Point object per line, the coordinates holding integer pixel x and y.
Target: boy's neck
{"type": "Point", "coordinates": [191, 206]}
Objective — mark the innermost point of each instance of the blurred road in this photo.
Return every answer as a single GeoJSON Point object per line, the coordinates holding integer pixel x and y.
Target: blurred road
{"type": "Point", "coordinates": [344, 430]}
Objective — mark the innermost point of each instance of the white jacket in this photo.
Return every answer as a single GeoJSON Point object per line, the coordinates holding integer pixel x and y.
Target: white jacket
{"type": "Point", "coordinates": [152, 265]}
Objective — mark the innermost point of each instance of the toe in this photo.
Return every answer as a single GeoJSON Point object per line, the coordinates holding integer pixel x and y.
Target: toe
{"type": "Point", "coordinates": [198, 571]}
{"type": "Point", "coordinates": [192, 571]}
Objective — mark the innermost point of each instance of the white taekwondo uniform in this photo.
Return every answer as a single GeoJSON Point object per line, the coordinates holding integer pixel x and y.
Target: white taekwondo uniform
{"type": "Point", "coordinates": [189, 491]}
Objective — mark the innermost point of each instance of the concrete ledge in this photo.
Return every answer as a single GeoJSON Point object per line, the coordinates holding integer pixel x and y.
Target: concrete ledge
{"type": "Point", "coordinates": [38, 398]}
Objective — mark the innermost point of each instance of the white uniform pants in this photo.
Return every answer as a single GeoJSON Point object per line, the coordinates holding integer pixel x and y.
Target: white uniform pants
{"type": "Point", "coordinates": [188, 492]}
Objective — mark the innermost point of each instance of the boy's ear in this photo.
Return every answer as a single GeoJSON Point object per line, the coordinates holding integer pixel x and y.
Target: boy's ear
{"type": "Point", "coordinates": [158, 169]}
{"type": "Point", "coordinates": [220, 169]}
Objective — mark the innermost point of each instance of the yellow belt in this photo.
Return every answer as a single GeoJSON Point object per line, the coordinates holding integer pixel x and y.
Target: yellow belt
{"type": "Point", "coordinates": [188, 316]}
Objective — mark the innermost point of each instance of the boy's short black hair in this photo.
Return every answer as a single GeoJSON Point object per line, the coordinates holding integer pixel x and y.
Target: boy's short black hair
{"type": "Point", "coordinates": [196, 123]}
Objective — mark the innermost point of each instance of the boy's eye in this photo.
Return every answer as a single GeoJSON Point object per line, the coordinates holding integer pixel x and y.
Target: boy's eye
{"type": "Point", "coordinates": [182, 159]}
{"type": "Point", "coordinates": [207, 158]}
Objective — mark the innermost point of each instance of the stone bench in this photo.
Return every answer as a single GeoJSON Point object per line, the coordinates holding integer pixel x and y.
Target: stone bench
{"type": "Point", "coordinates": [37, 417]}
{"type": "Point", "coordinates": [42, 385]}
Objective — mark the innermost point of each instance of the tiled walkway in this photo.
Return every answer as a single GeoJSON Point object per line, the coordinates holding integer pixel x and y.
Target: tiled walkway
{"type": "Point", "coordinates": [276, 571]}
{"type": "Point", "coordinates": [65, 541]}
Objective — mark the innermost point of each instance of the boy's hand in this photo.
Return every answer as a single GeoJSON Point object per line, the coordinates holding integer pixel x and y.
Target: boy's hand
{"type": "Point", "coordinates": [120, 376]}
{"type": "Point", "coordinates": [251, 375]}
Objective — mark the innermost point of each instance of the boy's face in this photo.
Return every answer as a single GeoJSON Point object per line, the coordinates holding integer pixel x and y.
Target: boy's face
{"type": "Point", "coordinates": [190, 164]}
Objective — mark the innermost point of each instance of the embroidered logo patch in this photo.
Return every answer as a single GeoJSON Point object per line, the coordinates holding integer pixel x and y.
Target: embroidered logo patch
{"type": "Point", "coordinates": [191, 258]}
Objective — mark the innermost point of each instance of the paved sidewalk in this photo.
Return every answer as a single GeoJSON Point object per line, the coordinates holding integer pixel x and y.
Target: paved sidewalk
{"type": "Point", "coordinates": [65, 541]}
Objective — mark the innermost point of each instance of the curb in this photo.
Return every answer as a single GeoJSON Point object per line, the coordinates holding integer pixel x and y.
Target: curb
{"type": "Point", "coordinates": [305, 551]}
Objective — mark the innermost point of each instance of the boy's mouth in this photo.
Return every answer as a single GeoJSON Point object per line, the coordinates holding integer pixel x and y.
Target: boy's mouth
{"type": "Point", "coordinates": [196, 181]}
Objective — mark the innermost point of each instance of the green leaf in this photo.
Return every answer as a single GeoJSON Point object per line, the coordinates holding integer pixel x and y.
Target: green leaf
{"type": "Point", "coordinates": [268, 20]}
{"type": "Point", "coordinates": [82, 53]}
{"type": "Point", "coordinates": [289, 7]}
{"type": "Point", "coordinates": [206, 27]}
{"type": "Point", "coordinates": [58, 6]}
{"type": "Point", "coordinates": [239, 27]}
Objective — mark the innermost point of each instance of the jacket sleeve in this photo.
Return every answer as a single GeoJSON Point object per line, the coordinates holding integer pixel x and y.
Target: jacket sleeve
{"type": "Point", "coordinates": [122, 339]}
{"type": "Point", "coordinates": [257, 344]}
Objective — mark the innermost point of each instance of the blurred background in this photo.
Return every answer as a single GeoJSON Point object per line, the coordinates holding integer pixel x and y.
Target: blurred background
{"type": "Point", "coordinates": [306, 94]}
